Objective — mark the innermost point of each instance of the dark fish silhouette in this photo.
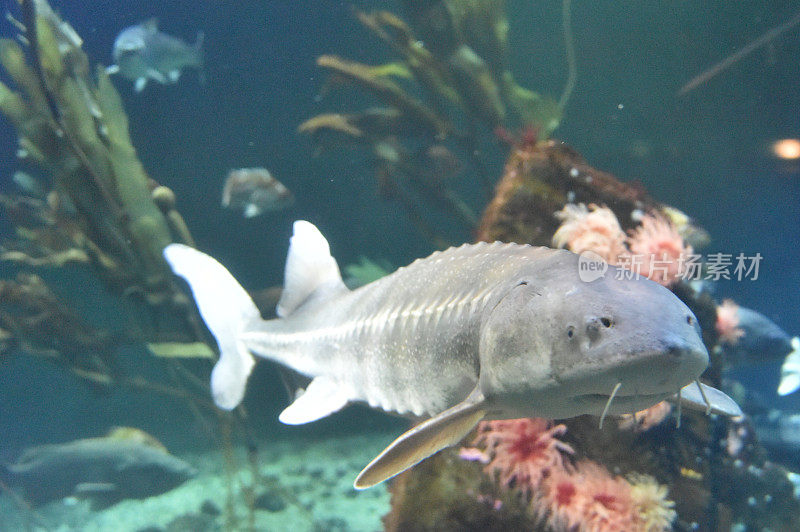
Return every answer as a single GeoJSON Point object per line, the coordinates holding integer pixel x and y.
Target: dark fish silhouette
{"type": "Point", "coordinates": [125, 464]}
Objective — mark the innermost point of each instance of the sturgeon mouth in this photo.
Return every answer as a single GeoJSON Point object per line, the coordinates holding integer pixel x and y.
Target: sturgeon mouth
{"type": "Point", "coordinates": [620, 402]}
{"type": "Point", "coordinates": [621, 397]}
{"type": "Point", "coordinates": [646, 375]}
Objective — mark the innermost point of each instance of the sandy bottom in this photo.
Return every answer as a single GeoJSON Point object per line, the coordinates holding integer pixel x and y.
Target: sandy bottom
{"type": "Point", "coordinates": [303, 485]}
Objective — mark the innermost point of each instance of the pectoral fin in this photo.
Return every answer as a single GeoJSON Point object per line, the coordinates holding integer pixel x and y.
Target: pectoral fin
{"type": "Point", "coordinates": [321, 398]}
{"type": "Point", "coordinates": [699, 396]}
{"type": "Point", "coordinates": [425, 439]}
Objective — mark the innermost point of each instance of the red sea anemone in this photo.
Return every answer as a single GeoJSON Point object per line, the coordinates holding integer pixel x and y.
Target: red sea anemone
{"type": "Point", "coordinates": [589, 499]}
{"type": "Point", "coordinates": [523, 451]}
{"type": "Point", "coordinates": [526, 454]}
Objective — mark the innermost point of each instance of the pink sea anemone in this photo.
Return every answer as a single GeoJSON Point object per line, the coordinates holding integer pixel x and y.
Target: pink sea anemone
{"type": "Point", "coordinates": [590, 499]}
{"type": "Point", "coordinates": [605, 501]}
{"type": "Point", "coordinates": [727, 323]}
{"type": "Point", "coordinates": [658, 250]}
{"type": "Point", "coordinates": [594, 229]}
{"type": "Point", "coordinates": [587, 499]}
{"type": "Point", "coordinates": [559, 501]}
{"type": "Point", "coordinates": [523, 451]}
{"type": "Point", "coordinates": [527, 455]}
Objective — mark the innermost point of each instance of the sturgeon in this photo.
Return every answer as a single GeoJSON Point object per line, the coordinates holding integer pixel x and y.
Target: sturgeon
{"type": "Point", "coordinates": [479, 331]}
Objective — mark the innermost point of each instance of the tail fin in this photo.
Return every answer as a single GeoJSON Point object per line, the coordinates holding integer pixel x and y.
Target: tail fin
{"type": "Point", "coordinates": [227, 309]}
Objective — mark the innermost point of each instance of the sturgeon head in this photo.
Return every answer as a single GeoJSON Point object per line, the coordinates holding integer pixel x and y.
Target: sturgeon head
{"type": "Point", "coordinates": [555, 346]}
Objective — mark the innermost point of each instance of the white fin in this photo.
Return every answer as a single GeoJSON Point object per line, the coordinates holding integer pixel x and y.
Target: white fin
{"type": "Point", "coordinates": [424, 440]}
{"type": "Point", "coordinates": [156, 75]}
{"type": "Point", "coordinates": [227, 309]}
{"type": "Point", "coordinates": [140, 84]}
{"type": "Point", "coordinates": [310, 269]}
{"type": "Point", "coordinates": [251, 210]}
{"type": "Point", "coordinates": [151, 25]}
{"type": "Point", "coordinates": [790, 370]}
{"type": "Point", "coordinates": [321, 398]}
{"type": "Point", "coordinates": [693, 397]}
{"type": "Point", "coordinates": [198, 43]}
{"type": "Point", "coordinates": [174, 75]}
{"type": "Point", "coordinates": [112, 69]}
{"type": "Point", "coordinates": [93, 488]}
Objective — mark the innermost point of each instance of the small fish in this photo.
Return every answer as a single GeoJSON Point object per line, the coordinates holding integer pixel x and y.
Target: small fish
{"type": "Point", "coordinates": [126, 463]}
{"type": "Point", "coordinates": [480, 331]}
{"type": "Point", "coordinates": [254, 191]}
{"type": "Point", "coordinates": [142, 53]}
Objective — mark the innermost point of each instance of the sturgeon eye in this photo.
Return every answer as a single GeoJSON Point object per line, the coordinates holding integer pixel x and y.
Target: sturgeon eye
{"type": "Point", "coordinates": [570, 331]}
{"type": "Point", "coordinates": [606, 322]}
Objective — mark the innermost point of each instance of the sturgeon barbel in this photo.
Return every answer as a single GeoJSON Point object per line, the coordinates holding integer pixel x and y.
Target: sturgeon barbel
{"type": "Point", "coordinates": [479, 331]}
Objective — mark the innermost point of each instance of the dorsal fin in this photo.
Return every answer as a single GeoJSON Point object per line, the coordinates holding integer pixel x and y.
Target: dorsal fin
{"type": "Point", "coordinates": [151, 25]}
{"type": "Point", "coordinates": [310, 269]}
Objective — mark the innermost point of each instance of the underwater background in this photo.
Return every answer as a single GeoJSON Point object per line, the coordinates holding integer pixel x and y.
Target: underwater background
{"type": "Point", "coordinates": [706, 152]}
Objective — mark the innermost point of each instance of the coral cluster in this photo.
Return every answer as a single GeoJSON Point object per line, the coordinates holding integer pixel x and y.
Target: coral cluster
{"type": "Point", "coordinates": [594, 229]}
{"type": "Point", "coordinates": [539, 179]}
{"type": "Point", "coordinates": [661, 248]}
{"type": "Point", "coordinates": [654, 248]}
{"type": "Point", "coordinates": [522, 452]}
{"type": "Point", "coordinates": [526, 454]}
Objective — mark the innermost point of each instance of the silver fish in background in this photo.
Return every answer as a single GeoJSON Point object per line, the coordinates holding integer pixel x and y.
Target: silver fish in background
{"type": "Point", "coordinates": [125, 464]}
{"type": "Point", "coordinates": [142, 53]}
{"type": "Point", "coordinates": [760, 340]}
{"type": "Point", "coordinates": [481, 331]}
{"type": "Point", "coordinates": [254, 191]}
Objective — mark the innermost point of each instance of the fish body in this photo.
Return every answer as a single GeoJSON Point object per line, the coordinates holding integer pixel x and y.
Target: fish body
{"type": "Point", "coordinates": [142, 53]}
{"type": "Point", "coordinates": [108, 469]}
{"type": "Point", "coordinates": [254, 191]}
{"type": "Point", "coordinates": [762, 340]}
{"type": "Point", "coordinates": [480, 331]}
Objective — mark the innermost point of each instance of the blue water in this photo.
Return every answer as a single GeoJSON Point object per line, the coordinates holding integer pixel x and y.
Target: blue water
{"type": "Point", "coordinates": [705, 153]}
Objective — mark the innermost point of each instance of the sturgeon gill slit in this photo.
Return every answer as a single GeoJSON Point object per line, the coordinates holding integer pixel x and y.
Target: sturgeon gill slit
{"type": "Point", "coordinates": [608, 403]}
{"type": "Point", "coordinates": [678, 423]}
